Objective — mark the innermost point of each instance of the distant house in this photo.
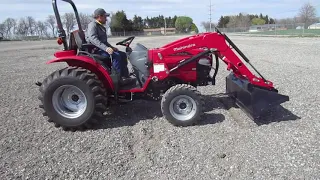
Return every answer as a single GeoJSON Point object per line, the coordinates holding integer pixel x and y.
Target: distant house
{"type": "Point", "coordinates": [267, 27]}
{"type": "Point", "coordinates": [159, 31]}
{"type": "Point", "coordinates": [168, 31]}
{"type": "Point", "coordinates": [314, 26]}
{"type": "Point", "coordinates": [299, 27]}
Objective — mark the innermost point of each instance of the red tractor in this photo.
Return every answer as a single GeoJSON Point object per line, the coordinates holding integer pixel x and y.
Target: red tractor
{"type": "Point", "coordinates": [77, 96]}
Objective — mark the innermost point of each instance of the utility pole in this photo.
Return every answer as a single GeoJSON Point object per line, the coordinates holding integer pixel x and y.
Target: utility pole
{"type": "Point", "coordinates": [210, 16]}
{"type": "Point", "coordinates": [165, 26]}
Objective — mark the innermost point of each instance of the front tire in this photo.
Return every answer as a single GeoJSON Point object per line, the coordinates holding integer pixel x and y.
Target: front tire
{"type": "Point", "coordinates": [73, 98]}
{"type": "Point", "coordinates": [182, 105]}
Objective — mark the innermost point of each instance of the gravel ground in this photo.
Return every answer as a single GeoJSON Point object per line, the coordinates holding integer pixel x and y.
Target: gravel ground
{"type": "Point", "coordinates": [137, 143]}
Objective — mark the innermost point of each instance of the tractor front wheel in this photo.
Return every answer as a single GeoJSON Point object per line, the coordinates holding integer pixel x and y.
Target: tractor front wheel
{"type": "Point", "coordinates": [182, 105]}
{"type": "Point", "coordinates": [73, 98]}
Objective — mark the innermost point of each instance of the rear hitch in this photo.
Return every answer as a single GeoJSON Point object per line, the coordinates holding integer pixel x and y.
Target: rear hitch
{"type": "Point", "coordinates": [253, 100]}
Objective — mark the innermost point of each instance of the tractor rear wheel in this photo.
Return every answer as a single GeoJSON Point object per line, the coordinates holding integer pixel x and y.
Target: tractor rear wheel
{"type": "Point", "coordinates": [73, 98]}
{"type": "Point", "coordinates": [182, 105]}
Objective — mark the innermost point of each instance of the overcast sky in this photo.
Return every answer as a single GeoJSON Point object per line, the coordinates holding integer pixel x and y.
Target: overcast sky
{"type": "Point", "coordinates": [196, 9]}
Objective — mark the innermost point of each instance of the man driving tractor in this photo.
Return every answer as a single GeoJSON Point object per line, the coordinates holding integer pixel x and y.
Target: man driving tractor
{"type": "Point", "coordinates": [96, 34]}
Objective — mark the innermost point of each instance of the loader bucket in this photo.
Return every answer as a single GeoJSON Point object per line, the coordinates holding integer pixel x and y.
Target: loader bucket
{"type": "Point", "coordinates": [252, 100]}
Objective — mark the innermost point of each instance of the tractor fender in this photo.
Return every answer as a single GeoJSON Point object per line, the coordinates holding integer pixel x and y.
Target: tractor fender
{"type": "Point", "coordinates": [86, 63]}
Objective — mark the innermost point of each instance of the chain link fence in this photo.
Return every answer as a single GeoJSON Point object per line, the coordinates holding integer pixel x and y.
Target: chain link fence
{"type": "Point", "coordinates": [149, 32]}
{"type": "Point", "coordinates": [293, 29]}
{"type": "Point", "coordinates": [145, 33]}
{"type": "Point", "coordinates": [296, 29]}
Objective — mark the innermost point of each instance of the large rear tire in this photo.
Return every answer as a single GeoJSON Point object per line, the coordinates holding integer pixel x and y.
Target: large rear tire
{"type": "Point", "coordinates": [73, 98]}
{"type": "Point", "coordinates": [182, 105]}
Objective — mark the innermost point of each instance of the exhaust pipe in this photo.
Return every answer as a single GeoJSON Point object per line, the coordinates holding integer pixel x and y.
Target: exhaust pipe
{"type": "Point", "coordinates": [253, 100]}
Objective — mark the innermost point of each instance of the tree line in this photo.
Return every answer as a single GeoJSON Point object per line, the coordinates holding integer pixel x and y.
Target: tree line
{"type": "Point", "coordinates": [12, 28]}
{"type": "Point", "coordinates": [28, 26]}
{"type": "Point", "coordinates": [306, 15]}
{"type": "Point", "coordinates": [120, 22]}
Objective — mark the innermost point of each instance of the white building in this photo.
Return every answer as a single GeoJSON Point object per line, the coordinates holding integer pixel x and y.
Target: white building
{"type": "Point", "coordinates": [314, 26]}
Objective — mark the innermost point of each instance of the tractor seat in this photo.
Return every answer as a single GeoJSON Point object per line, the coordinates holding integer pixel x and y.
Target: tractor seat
{"type": "Point", "coordinates": [78, 42]}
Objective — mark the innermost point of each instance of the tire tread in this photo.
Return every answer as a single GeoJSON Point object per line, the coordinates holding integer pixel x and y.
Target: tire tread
{"type": "Point", "coordinates": [182, 87]}
{"type": "Point", "coordinates": [96, 86]}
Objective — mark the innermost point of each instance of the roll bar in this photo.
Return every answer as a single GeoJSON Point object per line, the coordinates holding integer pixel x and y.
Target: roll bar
{"type": "Point", "coordinates": [62, 33]}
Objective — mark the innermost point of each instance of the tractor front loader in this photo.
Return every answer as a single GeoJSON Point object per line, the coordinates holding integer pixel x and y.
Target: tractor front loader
{"type": "Point", "coordinates": [76, 96]}
{"type": "Point", "coordinates": [254, 95]}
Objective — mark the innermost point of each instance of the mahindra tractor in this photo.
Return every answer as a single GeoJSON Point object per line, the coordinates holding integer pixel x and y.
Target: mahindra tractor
{"type": "Point", "coordinates": [76, 97]}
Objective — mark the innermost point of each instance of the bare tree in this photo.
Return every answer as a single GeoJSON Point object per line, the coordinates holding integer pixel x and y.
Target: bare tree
{"type": "Point", "coordinates": [307, 14]}
{"type": "Point", "coordinates": [22, 28]}
{"type": "Point", "coordinates": [31, 25]}
{"type": "Point", "coordinates": [282, 21]}
{"type": "Point", "coordinates": [14, 28]}
{"type": "Point", "coordinates": [42, 29]}
{"type": "Point", "coordinates": [232, 22]}
{"type": "Point", "coordinates": [69, 21]}
{"type": "Point", "coordinates": [51, 24]}
{"type": "Point", "coordinates": [85, 19]}
{"type": "Point", "coordinates": [9, 24]}
{"type": "Point", "coordinates": [2, 30]}
{"type": "Point", "coordinates": [244, 20]}
{"type": "Point", "coordinates": [206, 26]}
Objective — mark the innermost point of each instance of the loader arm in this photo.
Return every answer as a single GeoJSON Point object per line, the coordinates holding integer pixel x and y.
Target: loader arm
{"type": "Point", "coordinates": [224, 51]}
{"type": "Point", "coordinates": [254, 95]}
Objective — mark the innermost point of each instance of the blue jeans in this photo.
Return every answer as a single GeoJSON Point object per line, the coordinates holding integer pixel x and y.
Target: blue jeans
{"type": "Point", "coordinates": [119, 62]}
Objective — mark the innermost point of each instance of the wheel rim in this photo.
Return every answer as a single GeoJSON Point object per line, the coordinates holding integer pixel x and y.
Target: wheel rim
{"type": "Point", "coordinates": [183, 107]}
{"type": "Point", "coordinates": [69, 101]}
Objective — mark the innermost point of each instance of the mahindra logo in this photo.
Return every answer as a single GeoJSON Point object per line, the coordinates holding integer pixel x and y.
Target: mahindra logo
{"type": "Point", "coordinates": [184, 47]}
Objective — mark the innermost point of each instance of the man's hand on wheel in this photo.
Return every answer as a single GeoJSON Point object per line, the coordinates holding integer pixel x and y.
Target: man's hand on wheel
{"type": "Point", "coordinates": [109, 50]}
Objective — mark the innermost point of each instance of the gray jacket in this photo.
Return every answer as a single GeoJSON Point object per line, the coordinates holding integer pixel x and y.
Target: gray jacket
{"type": "Point", "coordinates": [96, 34]}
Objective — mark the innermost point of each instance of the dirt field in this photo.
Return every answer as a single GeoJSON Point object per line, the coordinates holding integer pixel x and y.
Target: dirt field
{"type": "Point", "coordinates": [137, 143]}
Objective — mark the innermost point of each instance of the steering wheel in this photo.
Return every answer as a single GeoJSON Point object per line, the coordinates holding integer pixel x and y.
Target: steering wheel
{"type": "Point", "coordinates": [126, 42]}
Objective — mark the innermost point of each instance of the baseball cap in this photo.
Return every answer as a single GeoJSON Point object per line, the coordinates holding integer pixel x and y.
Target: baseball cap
{"type": "Point", "coordinates": [100, 12]}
